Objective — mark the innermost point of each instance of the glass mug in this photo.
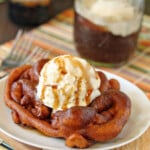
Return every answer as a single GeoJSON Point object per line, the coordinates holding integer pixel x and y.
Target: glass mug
{"type": "Point", "coordinates": [29, 12]}
{"type": "Point", "coordinates": [106, 31]}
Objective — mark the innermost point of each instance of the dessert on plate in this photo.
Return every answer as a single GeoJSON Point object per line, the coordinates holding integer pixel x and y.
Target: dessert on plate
{"type": "Point", "coordinates": [65, 97]}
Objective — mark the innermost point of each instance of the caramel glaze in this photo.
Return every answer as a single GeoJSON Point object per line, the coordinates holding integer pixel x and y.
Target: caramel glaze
{"type": "Point", "coordinates": [62, 71]}
{"type": "Point", "coordinates": [28, 80]}
{"type": "Point", "coordinates": [78, 124]}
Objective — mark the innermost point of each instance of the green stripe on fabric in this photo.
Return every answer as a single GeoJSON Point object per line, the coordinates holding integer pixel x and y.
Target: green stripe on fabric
{"type": "Point", "coordinates": [45, 38]}
{"type": "Point", "coordinates": [59, 32]}
{"type": "Point", "coordinates": [66, 27]}
{"type": "Point", "coordinates": [139, 69]}
{"type": "Point", "coordinates": [64, 21]}
{"type": "Point", "coordinates": [55, 36]}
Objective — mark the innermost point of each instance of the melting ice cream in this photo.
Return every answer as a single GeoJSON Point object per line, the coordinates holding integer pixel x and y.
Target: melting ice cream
{"type": "Point", "coordinates": [67, 81]}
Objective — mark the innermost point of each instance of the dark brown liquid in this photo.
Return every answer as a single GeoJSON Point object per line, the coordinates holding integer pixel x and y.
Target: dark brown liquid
{"type": "Point", "coordinates": [28, 16]}
{"type": "Point", "coordinates": [97, 43]}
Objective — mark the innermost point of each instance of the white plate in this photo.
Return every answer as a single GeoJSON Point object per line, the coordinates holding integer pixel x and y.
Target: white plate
{"type": "Point", "coordinates": [135, 127]}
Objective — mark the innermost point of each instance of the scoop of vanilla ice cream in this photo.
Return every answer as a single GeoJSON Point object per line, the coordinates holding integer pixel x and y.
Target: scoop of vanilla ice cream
{"type": "Point", "coordinates": [67, 81]}
{"type": "Point", "coordinates": [120, 17]}
{"type": "Point", "coordinates": [113, 10]}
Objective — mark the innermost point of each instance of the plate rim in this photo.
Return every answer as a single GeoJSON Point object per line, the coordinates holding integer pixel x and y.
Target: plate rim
{"type": "Point", "coordinates": [109, 147]}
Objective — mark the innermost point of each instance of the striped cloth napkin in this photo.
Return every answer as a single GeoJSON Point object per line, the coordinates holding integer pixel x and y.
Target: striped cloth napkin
{"type": "Point", "coordinates": [56, 36]}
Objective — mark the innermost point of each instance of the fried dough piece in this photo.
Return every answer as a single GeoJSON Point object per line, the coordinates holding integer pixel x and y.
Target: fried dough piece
{"type": "Point", "coordinates": [78, 125]}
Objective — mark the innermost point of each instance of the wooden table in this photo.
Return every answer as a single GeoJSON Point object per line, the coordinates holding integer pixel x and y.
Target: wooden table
{"type": "Point", "coordinates": [8, 31]}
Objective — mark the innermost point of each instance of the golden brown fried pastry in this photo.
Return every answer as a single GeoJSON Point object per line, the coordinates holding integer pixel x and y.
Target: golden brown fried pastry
{"type": "Point", "coordinates": [81, 126]}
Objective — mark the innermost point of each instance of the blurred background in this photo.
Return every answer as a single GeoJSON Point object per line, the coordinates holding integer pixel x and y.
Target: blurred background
{"type": "Point", "coordinates": [8, 29]}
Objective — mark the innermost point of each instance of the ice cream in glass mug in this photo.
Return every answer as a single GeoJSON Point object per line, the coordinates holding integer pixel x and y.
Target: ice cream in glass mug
{"type": "Point", "coordinates": [106, 31]}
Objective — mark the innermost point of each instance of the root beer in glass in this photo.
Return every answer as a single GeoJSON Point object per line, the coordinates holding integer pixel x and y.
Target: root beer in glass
{"type": "Point", "coordinates": [29, 12]}
{"type": "Point", "coordinates": [106, 31]}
